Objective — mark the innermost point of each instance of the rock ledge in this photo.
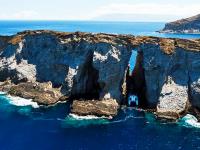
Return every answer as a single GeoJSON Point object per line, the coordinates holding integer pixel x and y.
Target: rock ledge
{"type": "Point", "coordinates": [101, 108]}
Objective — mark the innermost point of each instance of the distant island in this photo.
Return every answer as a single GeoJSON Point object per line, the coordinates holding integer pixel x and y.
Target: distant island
{"type": "Point", "coordinates": [187, 25]}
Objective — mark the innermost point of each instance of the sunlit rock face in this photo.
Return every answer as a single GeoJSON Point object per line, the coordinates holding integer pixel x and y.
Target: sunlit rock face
{"type": "Point", "coordinates": [107, 108]}
{"type": "Point", "coordinates": [172, 76]}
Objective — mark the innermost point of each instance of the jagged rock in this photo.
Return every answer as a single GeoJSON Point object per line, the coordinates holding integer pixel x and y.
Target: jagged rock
{"type": "Point", "coordinates": [173, 100]}
{"type": "Point", "coordinates": [194, 78]}
{"type": "Point", "coordinates": [101, 108]}
{"type": "Point", "coordinates": [79, 63]}
{"type": "Point", "coordinates": [42, 93]}
{"type": "Point", "coordinates": [171, 77]}
{"type": "Point", "coordinates": [187, 25]}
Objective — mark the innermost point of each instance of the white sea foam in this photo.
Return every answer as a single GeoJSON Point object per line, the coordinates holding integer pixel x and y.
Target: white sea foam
{"type": "Point", "coordinates": [2, 93]}
{"type": "Point", "coordinates": [18, 101]}
{"type": "Point", "coordinates": [190, 120]}
{"type": "Point", "coordinates": [76, 121]}
{"type": "Point", "coordinates": [88, 117]}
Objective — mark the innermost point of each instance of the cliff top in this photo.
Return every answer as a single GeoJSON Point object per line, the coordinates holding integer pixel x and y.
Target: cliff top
{"type": "Point", "coordinates": [168, 45]}
{"type": "Point", "coordinates": [186, 20]}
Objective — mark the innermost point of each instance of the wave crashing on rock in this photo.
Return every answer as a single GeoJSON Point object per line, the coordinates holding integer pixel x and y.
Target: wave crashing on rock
{"type": "Point", "coordinates": [190, 121]}
{"type": "Point", "coordinates": [18, 101]}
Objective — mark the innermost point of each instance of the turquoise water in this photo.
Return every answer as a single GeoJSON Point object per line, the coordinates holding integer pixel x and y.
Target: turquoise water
{"type": "Point", "coordinates": [24, 127]}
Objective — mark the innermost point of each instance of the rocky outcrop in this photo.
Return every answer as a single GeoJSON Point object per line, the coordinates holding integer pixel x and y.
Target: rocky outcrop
{"type": "Point", "coordinates": [79, 63]}
{"type": "Point", "coordinates": [4, 41]}
{"type": "Point", "coordinates": [173, 100]}
{"type": "Point", "coordinates": [188, 25]}
{"type": "Point", "coordinates": [42, 93]}
{"type": "Point", "coordinates": [107, 108]}
{"type": "Point", "coordinates": [171, 71]}
{"type": "Point", "coordinates": [94, 66]}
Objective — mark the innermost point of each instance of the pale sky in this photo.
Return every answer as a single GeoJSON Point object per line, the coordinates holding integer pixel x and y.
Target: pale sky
{"type": "Point", "coordinates": [105, 10]}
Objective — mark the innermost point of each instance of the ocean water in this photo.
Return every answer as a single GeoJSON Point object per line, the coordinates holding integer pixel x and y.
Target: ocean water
{"type": "Point", "coordinates": [135, 28]}
{"type": "Point", "coordinates": [25, 127]}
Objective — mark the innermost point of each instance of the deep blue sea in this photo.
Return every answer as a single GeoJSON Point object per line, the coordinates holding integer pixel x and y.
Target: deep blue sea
{"type": "Point", "coordinates": [27, 128]}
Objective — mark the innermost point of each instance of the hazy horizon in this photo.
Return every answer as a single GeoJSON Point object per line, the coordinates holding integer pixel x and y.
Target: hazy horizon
{"type": "Point", "coordinates": [70, 20]}
{"type": "Point", "coordinates": [104, 10]}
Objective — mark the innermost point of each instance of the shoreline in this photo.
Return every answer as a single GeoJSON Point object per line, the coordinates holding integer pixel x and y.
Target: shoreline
{"type": "Point", "coordinates": [88, 117]}
{"type": "Point", "coordinates": [188, 120]}
{"type": "Point", "coordinates": [19, 101]}
{"type": "Point", "coordinates": [27, 102]}
{"type": "Point", "coordinates": [183, 33]}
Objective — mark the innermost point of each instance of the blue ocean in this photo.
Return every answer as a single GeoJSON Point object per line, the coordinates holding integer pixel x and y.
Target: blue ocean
{"type": "Point", "coordinates": [135, 28]}
{"type": "Point", "coordinates": [25, 127]}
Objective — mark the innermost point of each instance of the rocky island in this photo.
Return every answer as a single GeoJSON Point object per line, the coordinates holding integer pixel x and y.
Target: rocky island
{"type": "Point", "coordinates": [91, 71]}
{"type": "Point", "coordinates": [187, 25]}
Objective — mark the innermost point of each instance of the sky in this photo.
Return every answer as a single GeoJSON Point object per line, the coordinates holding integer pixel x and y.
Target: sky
{"type": "Point", "coordinates": [100, 10]}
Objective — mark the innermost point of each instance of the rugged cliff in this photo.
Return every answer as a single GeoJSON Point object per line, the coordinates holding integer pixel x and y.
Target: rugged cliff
{"type": "Point", "coordinates": [187, 25]}
{"type": "Point", "coordinates": [79, 63]}
{"type": "Point", "coordinates": [93, 66]}
{"type": "Point", "coordinates": [172, 75]}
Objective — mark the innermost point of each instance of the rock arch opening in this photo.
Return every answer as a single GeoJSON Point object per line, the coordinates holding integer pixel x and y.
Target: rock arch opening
{"type": "Point", "coordinates": [86, 85]}
{"type": "Point", "coordinates": [135, 79]}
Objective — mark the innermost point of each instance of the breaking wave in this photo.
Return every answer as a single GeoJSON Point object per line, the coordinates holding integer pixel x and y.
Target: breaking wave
{"type": "Point", "coordinates": [189, 121]}
{"type": "Point", "coordinates": [82, 121]}
{"type": "Point", "coordinates": [88, 117]}
{"type": "Point", "coordinates": [2, 93]}
{"type": "Point", "coordinates": [18, 101]}
{"type": "Point", "coordinates": [76, 121]}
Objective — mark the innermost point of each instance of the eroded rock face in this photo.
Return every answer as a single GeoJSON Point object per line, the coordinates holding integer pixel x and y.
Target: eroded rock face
{"type": "Point", "coordinates": [172, 77]}
{"type": "Point", "coordinates": [101, 108]}
{"type": "Point", "coordinates": [194, 78]}
{"type": "Point", "coordinates": [173, 100]}
{"type": "Point", "coordinates": [80, 64]}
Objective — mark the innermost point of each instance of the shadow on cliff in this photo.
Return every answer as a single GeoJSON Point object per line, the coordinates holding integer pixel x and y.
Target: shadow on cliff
{"type": "Point", "coordinates": [85, 85]}
{"type": "Point", "coordinates": [135, 79]}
